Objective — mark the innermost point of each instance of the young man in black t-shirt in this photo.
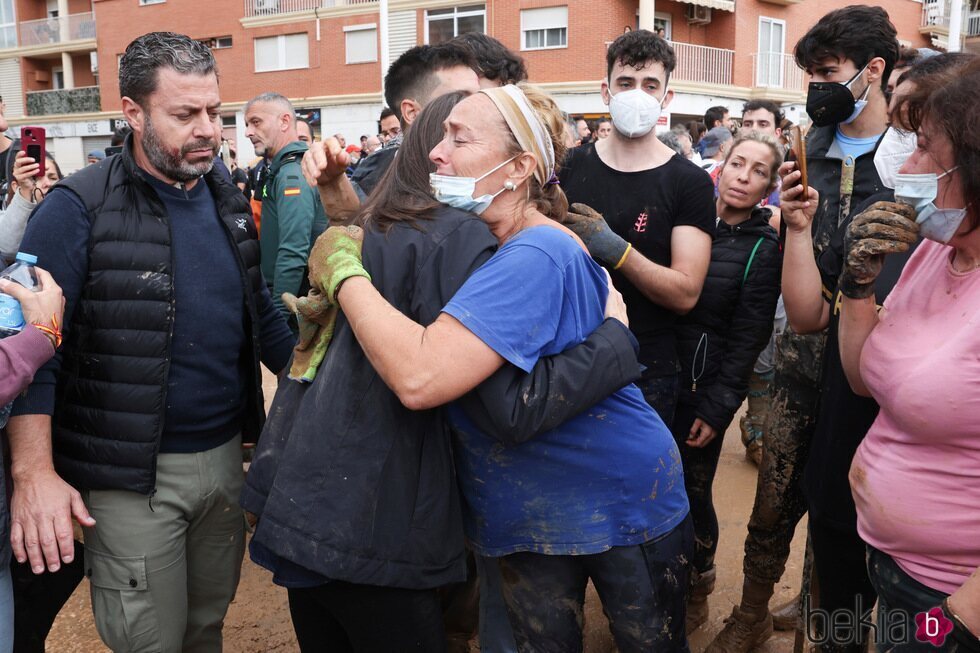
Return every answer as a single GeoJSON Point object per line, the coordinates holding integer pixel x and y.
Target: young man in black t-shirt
{"type": "Point", "coordinates": [653, 212]}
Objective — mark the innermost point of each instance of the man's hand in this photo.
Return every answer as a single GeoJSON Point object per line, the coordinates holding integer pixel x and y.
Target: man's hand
{"type": "Point", "coordinates": [604, 244]}
{"type": "Point", "coordinates": [882, 228]}
{"type": "Point", "coordinates": [325, 162]}
{"type": "Point", "coordinates": [796, 207]}
{"type": "Point", "coordinates": [701, 434]}
{"type": "Point", "coordinates": [615, 306]}
{"type": "Point", "coordinates": [40, 520]}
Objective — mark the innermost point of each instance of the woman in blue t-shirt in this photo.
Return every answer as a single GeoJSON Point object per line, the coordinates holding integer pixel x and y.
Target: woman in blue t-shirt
{"type": "Point", "coordinates": [601, 497]}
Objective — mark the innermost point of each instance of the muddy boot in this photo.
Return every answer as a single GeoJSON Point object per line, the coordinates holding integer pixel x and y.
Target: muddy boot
{"type": "Point", "coordinates": [750, 624]}
{"type": "Point", "coordinates": [702, 585]}
{"type": "Point", "coordinates": [753, 423]}
{"type": "Point", "coordinates": [786, 615]}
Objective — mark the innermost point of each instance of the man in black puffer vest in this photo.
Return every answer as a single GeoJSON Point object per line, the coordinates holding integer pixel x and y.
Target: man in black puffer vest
{"type": "Point", "coordinates": [158, 383]}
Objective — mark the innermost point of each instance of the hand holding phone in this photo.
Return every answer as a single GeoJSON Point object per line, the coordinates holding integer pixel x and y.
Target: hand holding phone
{"type": "Point", "coordinates": [32, 143]}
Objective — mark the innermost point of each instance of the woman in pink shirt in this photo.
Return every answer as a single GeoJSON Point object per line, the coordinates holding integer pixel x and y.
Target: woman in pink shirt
{"type": "Point", "coordinates": [916, 476]}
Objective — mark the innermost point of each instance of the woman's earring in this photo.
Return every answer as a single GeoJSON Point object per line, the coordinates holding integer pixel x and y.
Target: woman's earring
{"type": "Point", "coordinates": [509, 185]}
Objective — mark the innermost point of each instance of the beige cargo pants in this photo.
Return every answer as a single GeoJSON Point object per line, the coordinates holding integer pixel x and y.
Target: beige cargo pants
{"type": "Point", "coordinates": [164, 568]}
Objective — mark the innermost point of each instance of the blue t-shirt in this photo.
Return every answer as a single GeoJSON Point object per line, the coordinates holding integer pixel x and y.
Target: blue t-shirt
{"type": "Point", "coordinates": [611, 476]}
{"type": "Point", "coordinates": [855, 147]}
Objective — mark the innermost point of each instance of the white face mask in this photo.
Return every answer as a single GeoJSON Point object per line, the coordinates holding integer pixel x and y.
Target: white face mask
{"type": "Point", "coordinates": [860, 103]}
{"type": "Point", "coordinates": [919, 191]}
{"type": "Point", "coordinates": [458, 191]}
{"type": "Point", "coordinates": [895, 147]}
{"type": "Point", "coordinates": [634, 112]}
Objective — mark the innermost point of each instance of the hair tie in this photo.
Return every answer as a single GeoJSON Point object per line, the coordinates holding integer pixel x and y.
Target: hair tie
{"type": "Point", "coordinates": [554, 181]}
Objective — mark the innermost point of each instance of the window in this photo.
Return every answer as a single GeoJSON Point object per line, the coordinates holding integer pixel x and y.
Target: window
{"type": "Point", "coordinates": [544, 28]}
{"type": "Point", "coordinates": [362, 43]}
{"type": "Point", "coordinates": [661, 21]}
{"type": "Point", "coordinates": [228, 122]}
{"type": "Point", "coordinates": [284, 52]}
{"type": "Point", "coordinates": [58, 78]}
{"type": "Point", "coordinates": [8, 25]}
{"type": "Point", "coordinates": [444, 24]}
{"type": "Point", "coordinates": [143, 3]}
{"type": "Point", "coordinates": [217, 42]}
{"type": "Point", "coordinates": [772, 40]}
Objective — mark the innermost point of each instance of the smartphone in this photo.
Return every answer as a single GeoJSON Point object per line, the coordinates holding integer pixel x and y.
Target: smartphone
{"type": "Point", "coordinates": [113, 149]}
{"type": "Point", "coordinates": [32, 143]}
{"type": "Point", "coordinates": [799, 149]}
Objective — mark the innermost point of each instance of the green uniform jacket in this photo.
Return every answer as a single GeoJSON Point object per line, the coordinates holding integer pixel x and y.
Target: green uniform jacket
{"type": "Point", "coordinates": [292, 218]}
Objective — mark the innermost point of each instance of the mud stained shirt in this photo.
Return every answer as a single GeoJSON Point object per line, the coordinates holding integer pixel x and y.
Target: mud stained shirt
{"type": "Point", "coordinates": [609, 477]}
{"type": "Point", "coordinates": [644, 207]}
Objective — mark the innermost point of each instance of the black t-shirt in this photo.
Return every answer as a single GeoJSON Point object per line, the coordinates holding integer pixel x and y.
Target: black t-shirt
{"type": "Point", "coordinates": [843, 418]}
{"type": "Point", "coordinates": [644, 207]}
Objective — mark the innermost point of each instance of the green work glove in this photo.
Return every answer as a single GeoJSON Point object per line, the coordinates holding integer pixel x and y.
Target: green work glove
{"type": "Point", "coordinates": [316, 317]}
{"type": "Point", "coordinates": [336, 257]}
{"type": "Point", "coordinates": [882, 228]}
{"type": "Point", "coordinates": [604, 244]}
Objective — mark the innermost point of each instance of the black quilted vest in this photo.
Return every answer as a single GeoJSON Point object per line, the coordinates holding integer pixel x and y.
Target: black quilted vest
{"type": "Point", "coordinates": [112, 390]}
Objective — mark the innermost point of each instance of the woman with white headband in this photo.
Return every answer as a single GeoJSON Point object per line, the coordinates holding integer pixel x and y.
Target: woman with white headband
{"type": "Point", "coordinates": [601, 496]}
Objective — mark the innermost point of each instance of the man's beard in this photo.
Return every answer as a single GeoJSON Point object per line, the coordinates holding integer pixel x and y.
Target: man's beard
{"type": "Point", "coordinates": [173, 164]}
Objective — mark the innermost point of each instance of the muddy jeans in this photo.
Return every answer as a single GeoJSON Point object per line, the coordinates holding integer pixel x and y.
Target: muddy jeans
{"type": "Point", "coordinates": [700, 465]}
{"type": "Point", "coordinates": [642, 588]}
{"type": "Point", "coordinates": [660, 393]}
{"type": "Point", "coordinates": [900, 598]}
{"type": "Point", "coordinates": [779, 501]}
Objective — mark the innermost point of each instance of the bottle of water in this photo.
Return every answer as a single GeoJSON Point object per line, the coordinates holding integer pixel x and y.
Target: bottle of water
{"type": "Point", "coordinates": [11, 316]}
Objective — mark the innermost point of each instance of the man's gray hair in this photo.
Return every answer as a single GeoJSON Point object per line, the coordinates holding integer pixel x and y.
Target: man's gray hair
{"type": "Point", "coordinates": [151, 52]}
{"type": "Point", "coordinates": [279, 100]}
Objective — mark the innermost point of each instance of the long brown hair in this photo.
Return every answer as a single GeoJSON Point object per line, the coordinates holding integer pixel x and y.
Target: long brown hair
{"type": "Point", "coordinates": [403, 194]}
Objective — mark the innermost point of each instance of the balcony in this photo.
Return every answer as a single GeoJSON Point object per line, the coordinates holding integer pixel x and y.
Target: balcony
{"type": "Point", "coordinates": [266, 8]}
{"type": "Point", "coordinates": [936, 14]}
{"type": "Point", "coordinates": [75, 100]}
{"type": "Point", "coordinates": [775, 70]}
{"type": "Point", "coordinates": [701, 64]}
{"type": "Point", "coordinates": [57, 31]}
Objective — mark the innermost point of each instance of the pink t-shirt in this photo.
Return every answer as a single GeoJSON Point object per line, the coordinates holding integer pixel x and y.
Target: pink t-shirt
{"type": "Point", "coordinates": [916, 475]}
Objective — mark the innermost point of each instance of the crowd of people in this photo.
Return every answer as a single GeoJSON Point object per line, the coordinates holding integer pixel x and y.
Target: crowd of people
{"type": "Point", "coordinates": [508, 345]}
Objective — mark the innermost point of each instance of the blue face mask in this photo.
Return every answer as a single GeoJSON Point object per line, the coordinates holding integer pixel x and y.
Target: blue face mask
{"type": "Point", "coordinates": [919, 191]}
{"type": "Point", "coordinates": [457, 192]}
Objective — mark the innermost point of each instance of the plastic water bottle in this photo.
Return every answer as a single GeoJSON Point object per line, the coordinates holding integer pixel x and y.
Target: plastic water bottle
{"type": "Point", "coordinates": [11, 315]}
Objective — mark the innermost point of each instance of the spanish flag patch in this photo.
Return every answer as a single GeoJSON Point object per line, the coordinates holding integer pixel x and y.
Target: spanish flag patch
{"type": "Point", "coordinates": [289, 192]}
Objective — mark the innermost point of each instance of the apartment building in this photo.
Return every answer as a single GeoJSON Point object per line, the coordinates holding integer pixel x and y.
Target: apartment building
{"type": "Point", "coordinates": [59, 58]}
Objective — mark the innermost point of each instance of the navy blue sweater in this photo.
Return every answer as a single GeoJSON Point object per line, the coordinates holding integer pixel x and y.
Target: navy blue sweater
{"type": "Point", "coordinates": [206, 383]}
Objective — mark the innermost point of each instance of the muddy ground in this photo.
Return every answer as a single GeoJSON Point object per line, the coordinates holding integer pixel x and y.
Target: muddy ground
{"type": "Point", "coordinates": [258, 620]}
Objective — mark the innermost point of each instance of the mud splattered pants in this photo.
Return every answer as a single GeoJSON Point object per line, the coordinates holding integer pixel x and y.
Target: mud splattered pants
{"type": "Point", "coordinates": [642, 588]}
{"type": "Point", "coordinates": [779, 501]}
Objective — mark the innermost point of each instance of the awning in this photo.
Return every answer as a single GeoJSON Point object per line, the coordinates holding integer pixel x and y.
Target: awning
{"type": "Point", "coordinates": [724, 5]}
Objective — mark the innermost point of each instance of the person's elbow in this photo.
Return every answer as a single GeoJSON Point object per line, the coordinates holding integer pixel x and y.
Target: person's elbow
{"type": "Point", "coordinates": [418, 391]}
{"type": "Point", "coordinates": [804, 325]}
{"type": "Point", "coordinates": [856, 382]}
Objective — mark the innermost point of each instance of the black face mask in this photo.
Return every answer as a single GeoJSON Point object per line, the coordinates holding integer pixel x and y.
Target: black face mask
{"type": "Point", "coordinates": [829, 103]}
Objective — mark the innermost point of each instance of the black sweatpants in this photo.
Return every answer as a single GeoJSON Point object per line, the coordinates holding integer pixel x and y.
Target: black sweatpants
{"type": "Point", "coordinates": [343, 617]}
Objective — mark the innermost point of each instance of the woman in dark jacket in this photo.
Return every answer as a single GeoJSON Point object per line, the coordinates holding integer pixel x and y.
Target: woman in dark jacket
{"type": "Point", "coordinates": [720, 339]}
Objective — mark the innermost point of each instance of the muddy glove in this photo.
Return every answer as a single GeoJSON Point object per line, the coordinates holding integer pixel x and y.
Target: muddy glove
{"type": "Point", "coordinates": [604, 244]}
{"type": "Point", "coordinates": [336, 257]}
{"type": "Point", "coordinates": [882, 228]}
{"type": "Point", "coordinates": [316, 317]}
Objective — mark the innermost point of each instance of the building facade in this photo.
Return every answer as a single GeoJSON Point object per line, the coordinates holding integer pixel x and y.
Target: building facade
{"type": "Point", "coordinates": [59, 58]}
